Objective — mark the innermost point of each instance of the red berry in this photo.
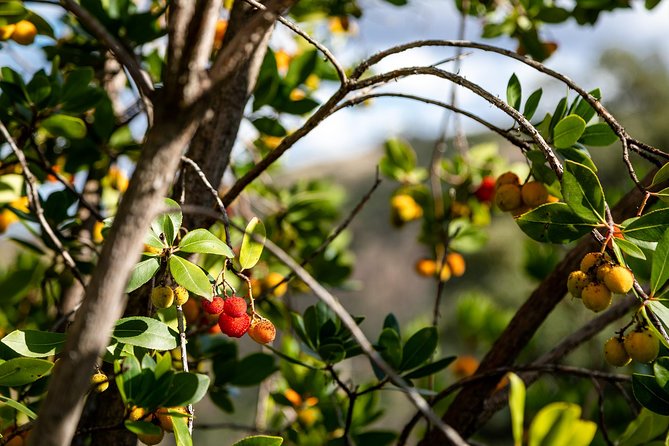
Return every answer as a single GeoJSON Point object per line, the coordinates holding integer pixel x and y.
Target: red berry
{"type": "Point", "coordinates": [262, 331]}
{"type": "Point", "coordinates": [234, 306]}
{"type": "Point", "coordinates": [213, 307]}
{"type": "Point", "coordinates": [486, 189]}
{"type": "Point", "coordinates": [234, 327]}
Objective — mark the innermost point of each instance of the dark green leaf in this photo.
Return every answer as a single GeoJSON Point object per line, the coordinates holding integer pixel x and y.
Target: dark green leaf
{"type": "Point", "coordinates": [270, 126]}
{"type": "Point", "coordinates": [142, 427]}
{"type": "Point", "coordinates": [579, 155]}
{"type": "Point", "coordinates": [204, 242]}
{"type": "Point", "coordinates": [644, 428]}
{"type": "Point", "coordinates": [168, 222]}
{"type": "Point", "coordinates": [251, 249]}
{"type": "Point", "coordinates": [553, 14]}
{"type": "Point", "coordinates": [390, 347]}
{"type": "Point", "coordinates": [662, 175]}
{"type": "Point", "coordinates": [145, 332]}
{"type": "Point", "coordinates": [391, 322]}
{"type": "Point", "coordinates": [659, 273]}
{"type": "Point", "coordinates": [585, 110]}
{"type": "Point", "coordinates": [567, 132]}
{"type": "Point", "coordinates": [18, 407]}
{"type": "Point", "coordinates": [187, 388]}
{"type": "Point", "coordinates": [553, 223]}
{"type": "Point", "coordinates": [419, 348]}
{"type": "Point", "coordinates": [142, 273]}
{"type": "Point", "coordinates": [661, 371]}
{"type": "Point", "coordinates": [532, 104]}
{"type": "Point", "coordinates": [21, 371]}
{"type": "Point", "coordinates": [650, 394]}
{"type": "Point", "coordinates": [431, 368]}
{"type": "Point", "coordinates": [558, 114]}
{"type": "Point", "coordinates": [300, 68]}
{"type": "Point", "coordinates": [64, 125]}
{"type": "Point", "coordinates": [254, 369]}
{"type": "Point", "coordinates": [629, 248]}
{"type": "Point", "coordinates": [583, 193]}
{"type": "Point", "coordinates": [260, 440]}
{"type": "Point", "coordinates": [649, 227]}
{"type": "Point", "coordinates": [34, 344]}
{"type": "Point", "coordinates": [599, 134]}
{"type": "Point", "coordinates": [190, 276]}
{"type": "Point", "coordinates": [513, 92]}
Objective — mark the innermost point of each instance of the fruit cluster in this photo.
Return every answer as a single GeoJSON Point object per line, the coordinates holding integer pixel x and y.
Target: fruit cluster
{"type": "Point", "coordinates": [511, 196]}
{"type": "Point", "coordinates": [162, 417]}
{"type": "Point", "coordinates": [235, 322]}
{"type": "Point", "coordinates": [453, 266]}
{"type": "Point", "coordinates": [164, 296]}
{"type": "Point", "coordinates": [597, 279]}
{"type": "Point", "coordinates": [22, 32]}
{"type": "Point", "coordinates": [640, 345]}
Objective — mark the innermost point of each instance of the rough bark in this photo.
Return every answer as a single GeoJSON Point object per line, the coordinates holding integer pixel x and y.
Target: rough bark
{"type": "Point", "coordinates": [469, 404]}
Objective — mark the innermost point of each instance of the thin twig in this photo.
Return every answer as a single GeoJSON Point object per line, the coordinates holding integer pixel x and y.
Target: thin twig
{"type": "Point", "coordinates": [184, 359]}
{"type": "Point", "coordinates": [33, 197]}
{"type": "Point", "coordinates": [600, 404]}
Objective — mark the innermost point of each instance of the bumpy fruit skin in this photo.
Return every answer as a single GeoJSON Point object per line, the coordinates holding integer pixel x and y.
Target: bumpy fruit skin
{"type": "Point", "coordinates": [576, 282]}
{"type": "Point", "coordinates": [165, 419]}
{"type": "Point", "coordinates": [180, 295]}
{"type": "Point", "coordinates": [162, 297]}
{"type": "Point", "coordinates": [235, 327]}
{"type": "Point", "coordinates": [272, 280]}
{"type": "Point", "coordinates": [262, 331]}
{"type": "Point", "coordinates": [426, 267]}
{"type": "Point", "coordinates": [7, 31]}
{"type": "Point", "coordinates": [534, 193]}
{"type": "Point", "coordinates": [100, 381]}
{"type": "Point", "coordinates": [215, 306]}
{"type": "Point", "coordinates": [642, 346]}
{"type": "Point", "coordinates": [24, 33]}
{"type": "Point", "coordinates": [592, 259]}
{"type": "Point", "coordinates": [507, 178]}
{"type": "Point", "coordinates": [602, 270]}
{"type": "Point", "coordinates": [619, 280]}
{"type": "Point", "coordinates": [508, 197]}
{"type": "Point", "coordinates": [234, 306]}
{"type": "Point", "coordinates": [456, 263]}
{"type": "Point", "coordinates": [596, 297]}
{"type": "Point", "coordinates": [151, 439]}
{"type": "Point", "coordinates": [486, 190]}
{"type": "Point", "coordinates": [136, 413]}
{"type": "Point", "coordinates": [404, 209]}
{"type": "Point", "coordinates": [615, 353]}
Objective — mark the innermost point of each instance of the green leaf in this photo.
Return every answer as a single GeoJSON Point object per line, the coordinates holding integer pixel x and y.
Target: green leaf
{"type": "Point", "coordinates": [253, 369]}
{"type": "Point", "coordinates": [204, 242]}
{"type": "Point", "coordinates": [300, 68]}
{"type": "Point", "coordinates": [145, 332]}
{"type": "Point", "coordinates": [659, 273]}
{"type": "Point", "coordinates": [553, 223]}
{"type": "Point", "coordinates": [629, 248]}
{"type": "Point", "coordinates": [419, 348]}
{"type": "Point", "coordinates": [662, 312]}
{"type": "Point", "coordinates": [568, 131]}
{"type": "Point", "coordinates": [532, 104]}
{"type": "Point", "coordinates": [35, 344]}
{"type": "Point", "coordinates": [431, 368]}
{"type": "Point", "coordinates": [400, 154]}
{"type": "Point", "coordinates": [579, 155]}
{"type": "Point", "coordinates": [18, 407]}
{"type": "Point", "coordinates": [599, 134]}
{"type": "Point", "coordinates": [661, 373]}
{"type": "Point", "coordinates": [64, 125]}
{"type": "Point", "coordinates": [585, 110]}
{"type": "Point", "coordinates": [142, 427]}
{"type": "Point", "coordinates": [663, 194]}
{"type": "Point", "coordinates": [169, 222]}
{"type": "Point", "coordinates": [583, 193]}
{"type": "Point", "coordinates": [558, 114]}
{"type": "Point", "coordinates": [517, 407]}
{"type": "Point", "coordinates": [559, 424]}
{"type": "Point", "coordinates": [390, 347]}
{"type": "Point", "coordinates": [648, 392]}
{"type": "Point", "coordinates": [270, 126]}
{"type": "Point", "coordinates": [513, 92]}
{"type": "Point", "coordinates": [644, 428]}
{"type": "Point", "coordinates": [21, 371]}
{"type": "Point", "coordinates": [181, 434]}
{"type": "Point", "coordinates": [250, 252]}
{"type": "Point", "coordinates": [186, 388]}
{"type": "Point", "coordinates": [142, 273]}
{"type": "Point", "coordinates": [260, 440]}
{"type": "Point", "coordinates": [662, 175]}
{"type": "Point", "coordinates": [190, 276]}
{"type": "Point", "coordinates": [649, 227]}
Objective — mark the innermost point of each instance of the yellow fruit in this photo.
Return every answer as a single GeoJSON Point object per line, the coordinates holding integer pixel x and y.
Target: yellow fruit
{"type": "Point", "coordinates": [456, 263]}
{"type": "Point", "coordinates": [615, 353]}
{"type": "Point", "coordinates": [294, 397]}
{"type": "Point", "coordinates": [221, 28]}
{"type": "Point", "coordinates": [7, 31]}
{"type": "Point", "coordinates": [404, 209]}
{"type": "Point", "coordinates": [136, 413]}
{"type": "Point", "coordinates": [445, 273]}
{"type": "Point", "coordinates": [162, 297]}
{"type": "Point", "coordinates": [7, 217]}
{"type": "Point", "coordinates": [151, 439]}
{"type": "Point", "coordinates": [180, 295]}
{"type": "Point", "coordinates": [464, 366]}
{"type": "Point", "coordinates": [100, 381]}
{"type": "Point", "coordinates": [282, 60]}
{"type": "Point", "coordinates": [507, 178]}
{"type": "Point", "coordinates": [592, 259]}
{"type": "Point", "coordinates": [271, 280]}
{"type": "Point", "coordinates": [165, 419]}
{"type": "Point", "coordinates": [619, 280]}
{"type": "Point", "coordinates": [552, 199]}
{"type": "Point", "coordinates": [312, 82]}
{"type": "Point", "coordinates": [642, 346]}
{"type": "Point", "coordinates": [24, 33]}
{"type": "Point", "coordinates": [426, 267]}
{"type": "Point", "coordinates": [308, 416]}
{"type": "Point", "coordinates": [97, 232]}
{"type": "Point", "coordinates": [602, 270]}
{"type": "Point", "coordinates": [508, 197]}
{"type": "Point", "coordinates": [596, 297]}
{"type": "Point", "coordinates": [576, 282]}
{"type": "Point", "coordinates": [534, 193]}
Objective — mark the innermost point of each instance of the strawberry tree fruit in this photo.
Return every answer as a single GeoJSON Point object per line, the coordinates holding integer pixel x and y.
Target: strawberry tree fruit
{"type": "Point", "coordinates": [615, 353]}
{"type": "Point", "coordinates": [534, 193]}
{"type": "Point", "coordinates": [508, 197]}
{"type": "Point", "coordinates": [235, 327]}
{"type": "Point", "coordinates": [262, 331]}
{"type": "Point", "coordinates": [234, 306]}
{"type": "Point", "coordinates": [215, 306]}
{"type": "Point", "coordinates": [151, 439]}
{"type": "Point", "coordinates": [100, 381]}
{"type": "Point", "coordinates": [162, 297]}
{"type": "Point", "coordinates": [596, 297]}
{"type": "Point", "coordinates": [576, 282]}
{"type": "Point", "coordinates": [486, 190]}
{"type": "Point", "coordinates": [180, 295]}
{"type": "Point", "coordinates": [619, 279]}
{"type": "Point", "coordinates": [165, 419]}
{"type": "Point", "coordinates": [642, 345]}
{"type": "Point", "coordinates": [593, 259]}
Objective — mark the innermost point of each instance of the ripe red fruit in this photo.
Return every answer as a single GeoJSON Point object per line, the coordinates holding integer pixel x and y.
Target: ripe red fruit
{"type": "Point", "coordinates": [215, 306]}
{"type": "Point", "coordinates": [235, 327]}
{"type": "Point", "coordinates": [486, 189]}
{"type": "Point", "coordinates": [234, 306]}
